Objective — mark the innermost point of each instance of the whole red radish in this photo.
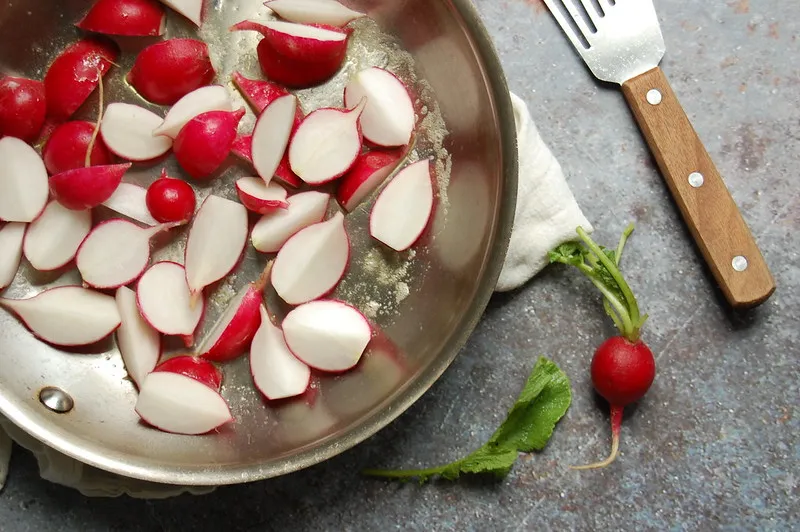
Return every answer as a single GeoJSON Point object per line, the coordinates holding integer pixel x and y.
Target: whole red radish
{"type": "Point", "coordinates": [170, 200]}
{"type": "Point", "coordinates": [22, 108]}
{"type": "Point", "coordinates": [206, 141]}
{"type": "Point", "coordinates": [75, 73]}
{"type": "Point", "coordinates": [165, 72]}
{"type": "Point", "coordinates": [623, 367]}
{"type": "Point", "coordinates": [196, 368]}
{"type": "Point", "coordinates": [87, 187]}
{"type": "Point", "coordinates": [66, 147]}
{"type": "Point", "coordinates": [135, 18]}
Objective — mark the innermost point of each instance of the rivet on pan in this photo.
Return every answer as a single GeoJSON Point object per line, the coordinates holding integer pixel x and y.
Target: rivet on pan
{"type": "Point", "coordinates": [56, 399]}
{"type": "Point", "coordinates": [739, 263]}
{"type": "Point", "coordinates": [653, 97]}
{"type": "Point", "coordinates": [696, 179]}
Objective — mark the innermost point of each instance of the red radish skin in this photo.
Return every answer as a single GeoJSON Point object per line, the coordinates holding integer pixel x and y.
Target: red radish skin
{"type": "Point", "coordinates": [369, 171]}
{"type": "Point", "coordinates": [133, 18]}
{"type": "Point", "coordinates": [22, 108]}
{"type": "Point", "coordinates": [86, 188]}
{"type": "Point", "coordinates": [170, 200]}
{"type": "Point", "coordinates": [206, 141]}
{"type": "Point", "coordinates": [165, 72]}
{"type": "Point", "coordinates": [242, 148]}
{"type": "Point", "coordinates": [258, 93]}
{"type": "Point", "coordinates": [66, 147]}
{"type": "Point", "coordinates": [74, 75]}
{"type": "Point", "coordinates": [195, 368]}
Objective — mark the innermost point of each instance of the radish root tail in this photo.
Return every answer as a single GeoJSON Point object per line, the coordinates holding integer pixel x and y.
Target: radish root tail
{"type": "Point", "coordinates": [616, 424]}
{"type": "Point", "coordinates": [88, 160]}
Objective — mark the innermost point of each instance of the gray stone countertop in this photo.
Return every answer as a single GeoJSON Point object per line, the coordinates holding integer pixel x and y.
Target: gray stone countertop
{"type": "Point", "coordinates": [713, 446]}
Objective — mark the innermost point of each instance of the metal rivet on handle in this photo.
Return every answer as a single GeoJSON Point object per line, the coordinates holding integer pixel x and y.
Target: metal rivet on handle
{"type": "Point", "coordinates": [653, 97]}
{"type": "Point", "coordinates": [739, 263]}
{"type": "Point", "coordinates": [696, 179]}
{"type": "Point", "coordinates": [56, 399]}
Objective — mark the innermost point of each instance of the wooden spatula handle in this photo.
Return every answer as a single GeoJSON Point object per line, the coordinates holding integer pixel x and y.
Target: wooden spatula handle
{"type": "Point", "coordinates": [707, 207]}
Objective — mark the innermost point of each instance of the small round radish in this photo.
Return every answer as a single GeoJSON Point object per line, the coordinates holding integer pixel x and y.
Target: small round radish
{"type": "Point", "coordinates": [205, 142]}
{"type": "Point", "coordinates": [275, 228]}
{"type": "Point", "coordinates": [12, 236]}
{"type": "Point", "coordinates": [195, 368]}
{"type": "Point", "coordinates": [127, 130]}
{"type": "Point", "coordinates": [328, 12]}
{"type": "Point", "coordinates": [369, 171]}
{"type": "Point", "coordinates": [191, 9]}
{"type": "Point", "coordinates": [165, 72]}
{"type": "Point", "coordinates": [134, 18]}
{"type": "Point", "coordinates": [66, 147]}
{"type": "Point", "coordinates": [53, 239]}
{"type": "Point", "coordinates": [22, 108]}
{"type": "Point", "coordinates": [138, 343]}
{"type": "Point", "coordinates": [23, 181]}
{"type": "Point", "coordinates": [197, 102]}
{"type": "Point", "coordinates": [165, 302]}
{"type": "Point", "coordinates": [276, 372]}
{"type": "Point", "coordinates": [388, 119]}
{"type": "Point", "coordinates": [170, 200]}
{"type": "Point", "coordinates": [86, 188]}
{"type": "Point", "coordinates": [259, 197]}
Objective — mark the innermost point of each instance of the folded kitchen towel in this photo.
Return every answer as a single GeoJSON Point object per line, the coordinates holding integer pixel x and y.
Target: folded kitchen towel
{"type": "Point", "coordinates": [546, 216]}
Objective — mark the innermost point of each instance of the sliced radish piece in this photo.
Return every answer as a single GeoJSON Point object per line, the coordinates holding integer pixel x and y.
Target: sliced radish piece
{"type": "Point", "coordinates": [67, 144]}
{"type": "Point", "coordinates": [127, 130]}
{"type": "Point", "coordinates": [274, 229]}
{"type": "Point", "coordinates": [193, 367]}
{"type": "Point", "coordinates": [276, 372]}
{"type": "Point", "coordinates": [260, 197]}
{"type": "Point", "coordinates": [134, 18]}
{"type": "Point", "coordinates": [271, 135]}
{"type": "Point", "coordinates": [258, 93]}
{"type": "Point", "coordinates": [216, 241]}
{"type": "Point", "coordinates": [22, 108]}
{"type": "Point", "coordinates": [311, 263]}
{"type": "Point", "coordinates": [191, 9]}
{"type": "Point", "coordinates": [388, 118]}
{"type": "Point", "coordinates": [139, 344]}
{"type": "Point", "coordinates": [23, 181]}
{"type": "Point", "coordinates": [86, 188]}
{"type": "Point", "coordinates": [116, 252]}
{"type": "Point", "coordinates": [370, 170]}
{"type": "Point", "coordinates": [403, 208]}
{"type": "Point", "coordinates": [327, 335]}
{"type": "Point", "coordinates": [165, 302]}
{"type": "Point", "coordinates": [205, 141]}
{"type": "Point", "coordinates": [165, 72]}
{"type": "Point", "coordinates": [67, 315]}
{"type": "Point", "coordinates": [52, 239]}
{"type": "Point", "coordinates": [181, 405]}
{"type": "Point", "coordinates": [131, 200]}
{"type": "Point", "coordinates": [243, 148]}
{"type": "Point", "coordinates": [326, 144]}
{"type": "Point", "coordinates": [11, 238]}
{"type": "Point", "coordinates": [197, 102]}
{"type": "Point", "coordinates": [328, 12]}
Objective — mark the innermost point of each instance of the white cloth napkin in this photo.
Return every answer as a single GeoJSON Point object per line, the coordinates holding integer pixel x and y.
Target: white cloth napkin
{"type": "Point", "coordinates": [546, 216]}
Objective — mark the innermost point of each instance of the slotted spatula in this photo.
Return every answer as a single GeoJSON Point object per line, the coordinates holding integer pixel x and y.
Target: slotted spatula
{"type": "Point", "coordinates": [621, 42]}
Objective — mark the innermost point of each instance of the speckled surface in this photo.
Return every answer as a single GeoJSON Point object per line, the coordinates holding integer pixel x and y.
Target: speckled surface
{"type": "Point", "coordinates": [714, 446]}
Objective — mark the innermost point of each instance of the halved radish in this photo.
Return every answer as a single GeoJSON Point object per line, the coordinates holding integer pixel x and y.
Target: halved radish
{"type": "Point", "coordinates": [197, 102]}
{"type": "Point", "coordinates": [326, 144]}
{"type": "Point", "coordinates": [403, 208]}
{"type": "Point", "coordinates": [274, 229]}
{"type": "Point", "coordinates": [75, 73]}
{"type": "Point", "coordinates": [170, 200]}
{"type": "Point", "coordinates": [67, 145]}
{"type": "Point", "coordinates": [196, 368]}
{"type": "Point", "coordinates": [205, 141]}
{"type": "Point", "coordinates": [130, 200]}
{"type": "Point", "coordinates": [175, 403]}
{"type": "Point", "coordinates": [116, 252]}
{"type": "Point", "coordinates": [260, 197]}
{"type": "Point", "coordinates": [135, 18]}
{"type": "Point", "coordinates": [11, 239]}
{"type": "Point", "coordinates": [216, 241]}
{"type": "Point", "coordinates": [276, 372]}
{"type": "Point", "coordinates": [271, 135]}
{"type": "Point", "coordinates": [165, 72]}
{"type": "Point", "coordinates": [328, 12]}
{"type": "Point", "coordinates": [388, 118]}
{"type": "Point", "coordinates": [327, 335]}
{"type": "Point", "coordinates": [369, 171]}
{"type": "Point", "coordinates": [258, 93]}
{"type": "Point", "coordinates": [67, 315]}
{"type": "Point", "coordinates": [165, 302]}
{"type": "Point", "coordinates": [234, 330]}
{"type": "Point", "coordinates": [139, 344]}
{"type": "Point", "coordinates": [127, 130]}
{"type": "Point", "coordinates": [22, 108]}
{"type": "Point", "coordinates": [311, 263]}
{"type": "Point", "coordinates": [23, 181]}
{"type": "Point", "coordinates": [191, 9]}
{"type": "Point", "coordinates": [86, 188]}
{"type": "Point", "coordinates": [53, 238]}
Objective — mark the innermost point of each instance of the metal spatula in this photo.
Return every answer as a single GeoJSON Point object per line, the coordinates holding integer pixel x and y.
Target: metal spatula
{"type": "Point", "coordinates": [621, 42]}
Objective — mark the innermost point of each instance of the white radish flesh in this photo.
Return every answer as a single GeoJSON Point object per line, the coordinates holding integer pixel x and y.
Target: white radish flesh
{"type": "Point", "coordinates": [67, 315]}
{"type": "Point", "coordinates": [277, 373]}
{"type": "Point", "coordinates": [11, 238]}
{"type": "Point", "coordinates": [24, 186]}
{"type": "Point", "coordinates": [274, 229]}
{"type": "Point", "coordinates": [388, 118]}
{"type": "Point", "coordinates": [175, 403]}
{"type": "Point", "coordinates": [191, 9]}
{"type": "Point", "coordinates": [164, 301]}
{"type": "Point", "coordinates": [271, 135]}
{"type": "Point", "coordinates": [311, 263]}
{"type": "Point", "coordinates": [260, 197]}
{"type": "Point", "coordinates": [131, 201]}
{"type": "Point", "coordinates": [127, 131]}
{"type": "Point", "coordinates": [328, 12]}
{"type": "Point", "coordinates": [326, 144]}
{"type": "Point", "coordinates": [197, 102]}
{"type": "Point", "coordinates": [139, 344]}
{"type": "Point", "coordinates": [327, 335]}
{"type": "Point", "coordinates": [54, 237]}
{"type": "Point", "coordinates": [403, 208]}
